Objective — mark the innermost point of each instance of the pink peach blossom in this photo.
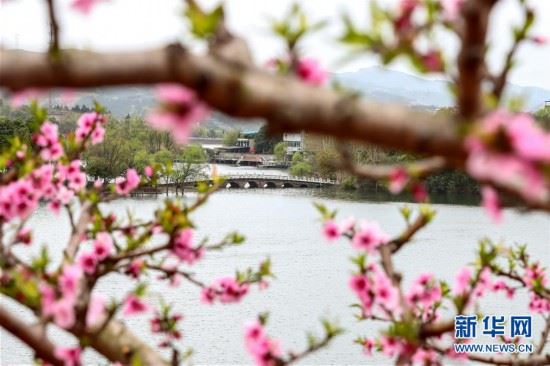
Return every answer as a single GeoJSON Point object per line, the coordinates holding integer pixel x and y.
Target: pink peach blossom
{"type": "Point", "coordinates": [24, 236]}
{"type": "Point", "coordinates": [47, 299]}
{"type": "Point", "coordinates": [226, 290]}
{"type": "Point", "coordinates": [451, 8]}
{"type": "Point", "coordinates": [88, 262]}
{"type": "Point", "coordinates": [183, 247]}
{"type": "Point", "coordinates": [419, 192]}
{"type": "Point", "coordinates": [311, 72]}
{"type": "Point", "coordinates": [491, 203]}
{"type": "Point", "coordinates": [103, 246]}
{"type": "Point", "coordinates": [432, 61]}
{"type": "Point", "coordinates": [135, 267]}
{"type": "Point", "coordinates": [263, 349]}
{"type": "Point", "coordinates": [390, 346]}
{"type": "Point", "coordinates": [69, 355]}
{"type": "Point", "coordinates": [424, 356]}
{"type": "Point", "coordinates": [134, 305]}
{"type": "Point", "coordinates": [462, 281]}
{"type": "Point", "coordinates": [22, 97]}
{"type": "Point", "coordinates": [369, 236]}
{"type": "Point", "coordinates": [63, 312]}
{"type": "Point", "coordinates": [180, 109]}
{"type": "Point", "coordinates": [69, 280]}
{"type": "Point", "coordinates": [124, 186]}
{"type": "Point", "coordinates": [398, 179]}
{"type": "Point", "coordinates": [331, 230]}
{"type": "Point", "coordinates": [84, 6]}
{"type": "Point", "coordinates": [96, 310]}
{"type": "Point", "coordinates": [368, 346]}
{"type": "Point", "coordinates": [540, 40]}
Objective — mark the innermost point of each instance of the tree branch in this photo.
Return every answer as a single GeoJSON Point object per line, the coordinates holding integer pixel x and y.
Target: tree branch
{"type": "Point", "coordinates": [117, 343]}
{"type": "Point", "coordinates": [242, 91]}
{"type": "Point", "coordinates": [407, 235]}
{"type": "Point", "coordinates": [544, 337]}
{"type": "Point", "coordinates": [520, 36]}
{"type": "Point", "coordinates": [79, 230]}
{"type": "Point", "coordinates": [471, 59]}
{"type": "Point", "coordinates": [42, 347]}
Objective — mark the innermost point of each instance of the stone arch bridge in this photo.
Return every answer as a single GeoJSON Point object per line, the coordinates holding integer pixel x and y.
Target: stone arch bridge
{"type": "Point", "coordinates": [269, 181]}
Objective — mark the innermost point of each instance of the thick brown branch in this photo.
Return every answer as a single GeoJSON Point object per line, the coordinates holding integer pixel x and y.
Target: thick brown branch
{"type": "Point", "coordinates": [471, 59]}
{"type": "Point", "coordinates": [242, 91]}
{"type": "Point", "coordinates": [117, 343]}
{"type": "Point", "coordinates": [33, 338]}
{"type": "Point", "coordinates": [437, 329]}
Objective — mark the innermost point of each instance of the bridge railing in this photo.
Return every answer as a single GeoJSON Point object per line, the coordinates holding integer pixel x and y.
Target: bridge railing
{"type": "Point", "coordinates": [271, 177]}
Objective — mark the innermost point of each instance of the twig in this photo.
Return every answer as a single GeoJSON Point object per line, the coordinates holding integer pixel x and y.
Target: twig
{"type": "Point", "coordinates": [397, 243]}
{"type": "Point", "coordinates": [544, 337]}
{"type": "Point", "coordinates": [418, 169]}
{"type": "Point", "coordinates": [500, 82]}
{"type": "Point", "coordinates": [71, 218]}
{"type": "Point", "coordinates": [188, 276]}
{"type": "Point", "coordinates": [139, 252]}
{"type": "Point", "coordinates": [54, 28]}
{"type": "Point", "coordinates": [79, 230]}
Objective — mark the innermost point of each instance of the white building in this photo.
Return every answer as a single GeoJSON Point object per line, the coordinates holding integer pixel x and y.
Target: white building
{"type": "Point", "coordinates": [294, 142]}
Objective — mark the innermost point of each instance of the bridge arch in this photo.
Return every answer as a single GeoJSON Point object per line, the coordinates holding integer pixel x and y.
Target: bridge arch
{"type": "Point", "coordinates": [287, 185]}
{"type": "Point", "coordinates": [303, 185]}
{"type": "Point", "coordinates": [232, 184]}
{"type": "Point", "coordinates": [251, 184]}
{"type": "Point", "coordinates": [270, 184]}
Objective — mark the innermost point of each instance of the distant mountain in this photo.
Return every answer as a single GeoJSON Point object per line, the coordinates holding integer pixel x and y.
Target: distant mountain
{"type": "Point", "coordinates": [121, 101]}
{"type": "Point", "coordinates": [374, 83]}
{"type": "Point", "coordinates": [385, 85]}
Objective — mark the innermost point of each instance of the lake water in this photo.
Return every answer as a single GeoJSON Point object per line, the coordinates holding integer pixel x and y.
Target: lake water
{"type": "Point", "coordinates": [311, 274]}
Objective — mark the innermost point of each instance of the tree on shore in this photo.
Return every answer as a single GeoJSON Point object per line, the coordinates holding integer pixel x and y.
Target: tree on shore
{"type": "Point", "coordinates": [231, 137]}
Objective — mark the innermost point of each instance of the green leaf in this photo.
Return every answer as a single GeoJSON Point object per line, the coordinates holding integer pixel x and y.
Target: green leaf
{"type": "Point", "coordinates": [204, 24]}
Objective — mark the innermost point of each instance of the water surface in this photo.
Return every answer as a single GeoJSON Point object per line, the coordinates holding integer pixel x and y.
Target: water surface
{"type": "Point", "coordinates": [311, 274]}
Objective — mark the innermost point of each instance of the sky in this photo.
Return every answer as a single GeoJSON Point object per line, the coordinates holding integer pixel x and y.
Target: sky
{"type": "Point", "coordinates": [117, 25]}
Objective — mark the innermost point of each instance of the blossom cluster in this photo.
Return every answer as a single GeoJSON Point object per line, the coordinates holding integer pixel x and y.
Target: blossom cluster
{"type": "Point", "coordinates": [90, 125]}
{"type": "Point", "coordinates": [226, 290]}
{"type": "Point", "coordinates": [183, 248]}
{"type": "Point", "coordinates": [103, 247]}
{"type": "Point", "coordinates": [509, 150]}
{"type": "Point", "coordinates": [125, 185]}
{"type": "Point", "coordinates": [376, 292]}
{"type": "Point", "coordinates": [55, 183]}
{"type": "Point", "coordinates": [264, 350]}
{"type": "Point", "coordinates": [382, 296]}
{"type": "Point", "coordinates": [365, 235]}
{"type": "Point", "coordinates": [166, 324]}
